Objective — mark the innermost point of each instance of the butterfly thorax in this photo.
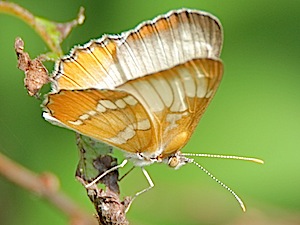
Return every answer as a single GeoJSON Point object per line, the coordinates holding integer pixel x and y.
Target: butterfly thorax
{"type": "Point", "coordinates": [168, 153]}
{"type": "Point", "coordinates": [175, 160]}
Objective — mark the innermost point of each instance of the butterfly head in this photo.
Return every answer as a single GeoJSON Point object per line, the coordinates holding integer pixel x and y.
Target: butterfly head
{"type": "Point", "coordinates": [177, 160]}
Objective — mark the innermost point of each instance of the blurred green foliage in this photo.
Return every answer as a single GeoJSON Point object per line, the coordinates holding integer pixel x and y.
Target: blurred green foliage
{"type": "Point", "coordinates": [254, 113]}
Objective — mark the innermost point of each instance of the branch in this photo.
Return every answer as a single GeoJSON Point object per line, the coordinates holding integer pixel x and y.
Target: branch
{"type": "Point", "coordinates": [45, 186]}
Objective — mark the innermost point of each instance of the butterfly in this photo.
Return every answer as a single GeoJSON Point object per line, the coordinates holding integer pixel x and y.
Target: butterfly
{"type": "Point", "coordinates": [143, 91]}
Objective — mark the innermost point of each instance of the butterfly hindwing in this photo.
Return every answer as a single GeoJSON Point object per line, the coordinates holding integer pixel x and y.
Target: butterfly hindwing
{"type": "Point", "coordinates": [114, 117]}
{"type": "Point", "coordinates": [175, 99]}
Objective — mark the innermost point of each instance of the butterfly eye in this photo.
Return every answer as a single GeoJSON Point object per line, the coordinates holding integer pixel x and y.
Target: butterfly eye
{"type": "Point", "coordinates": [173, 161]}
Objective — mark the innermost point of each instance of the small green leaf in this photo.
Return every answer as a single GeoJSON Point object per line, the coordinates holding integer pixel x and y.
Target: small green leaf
{"type": "Point", "coordinates": [94, 160]}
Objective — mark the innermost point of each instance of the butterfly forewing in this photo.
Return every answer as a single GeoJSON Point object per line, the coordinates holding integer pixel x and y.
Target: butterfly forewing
{"type": "Point", "coordinates": [156, 45]}
{"type": "Point", "coordinates": [91, 66]}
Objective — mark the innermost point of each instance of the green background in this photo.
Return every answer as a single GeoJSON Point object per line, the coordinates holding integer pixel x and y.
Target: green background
{"type": "Point", "coordinates": [254, 113]}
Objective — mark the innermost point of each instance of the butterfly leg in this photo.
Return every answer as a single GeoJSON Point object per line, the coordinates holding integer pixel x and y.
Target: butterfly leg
{"type": "Point", "coordinates": [106, 172]}
{"type": "Point", "coordinates": [126, 173]}
{"type": "Point", "coordinates": [151, 185]}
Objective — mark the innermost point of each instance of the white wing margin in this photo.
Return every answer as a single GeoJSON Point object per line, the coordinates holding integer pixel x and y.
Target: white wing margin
{"type": "Point", "coordinates": [153, 46]}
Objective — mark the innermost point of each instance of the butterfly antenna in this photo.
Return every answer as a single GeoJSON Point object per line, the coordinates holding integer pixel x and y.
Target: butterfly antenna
{"type": "Point", "coordinates": [224, 157]}
{"type": "Point", "coordinates": [223, 185]}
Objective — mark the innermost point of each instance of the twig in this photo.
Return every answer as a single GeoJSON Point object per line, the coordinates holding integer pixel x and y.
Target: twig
{"type": "Point", "coordinates": [46, 186]}
{"type": "Point", "coordinates": [52, 33]}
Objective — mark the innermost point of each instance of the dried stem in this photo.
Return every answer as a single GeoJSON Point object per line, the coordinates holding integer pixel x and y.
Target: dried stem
{"type": "Point", "coordinates": [96, 159]}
